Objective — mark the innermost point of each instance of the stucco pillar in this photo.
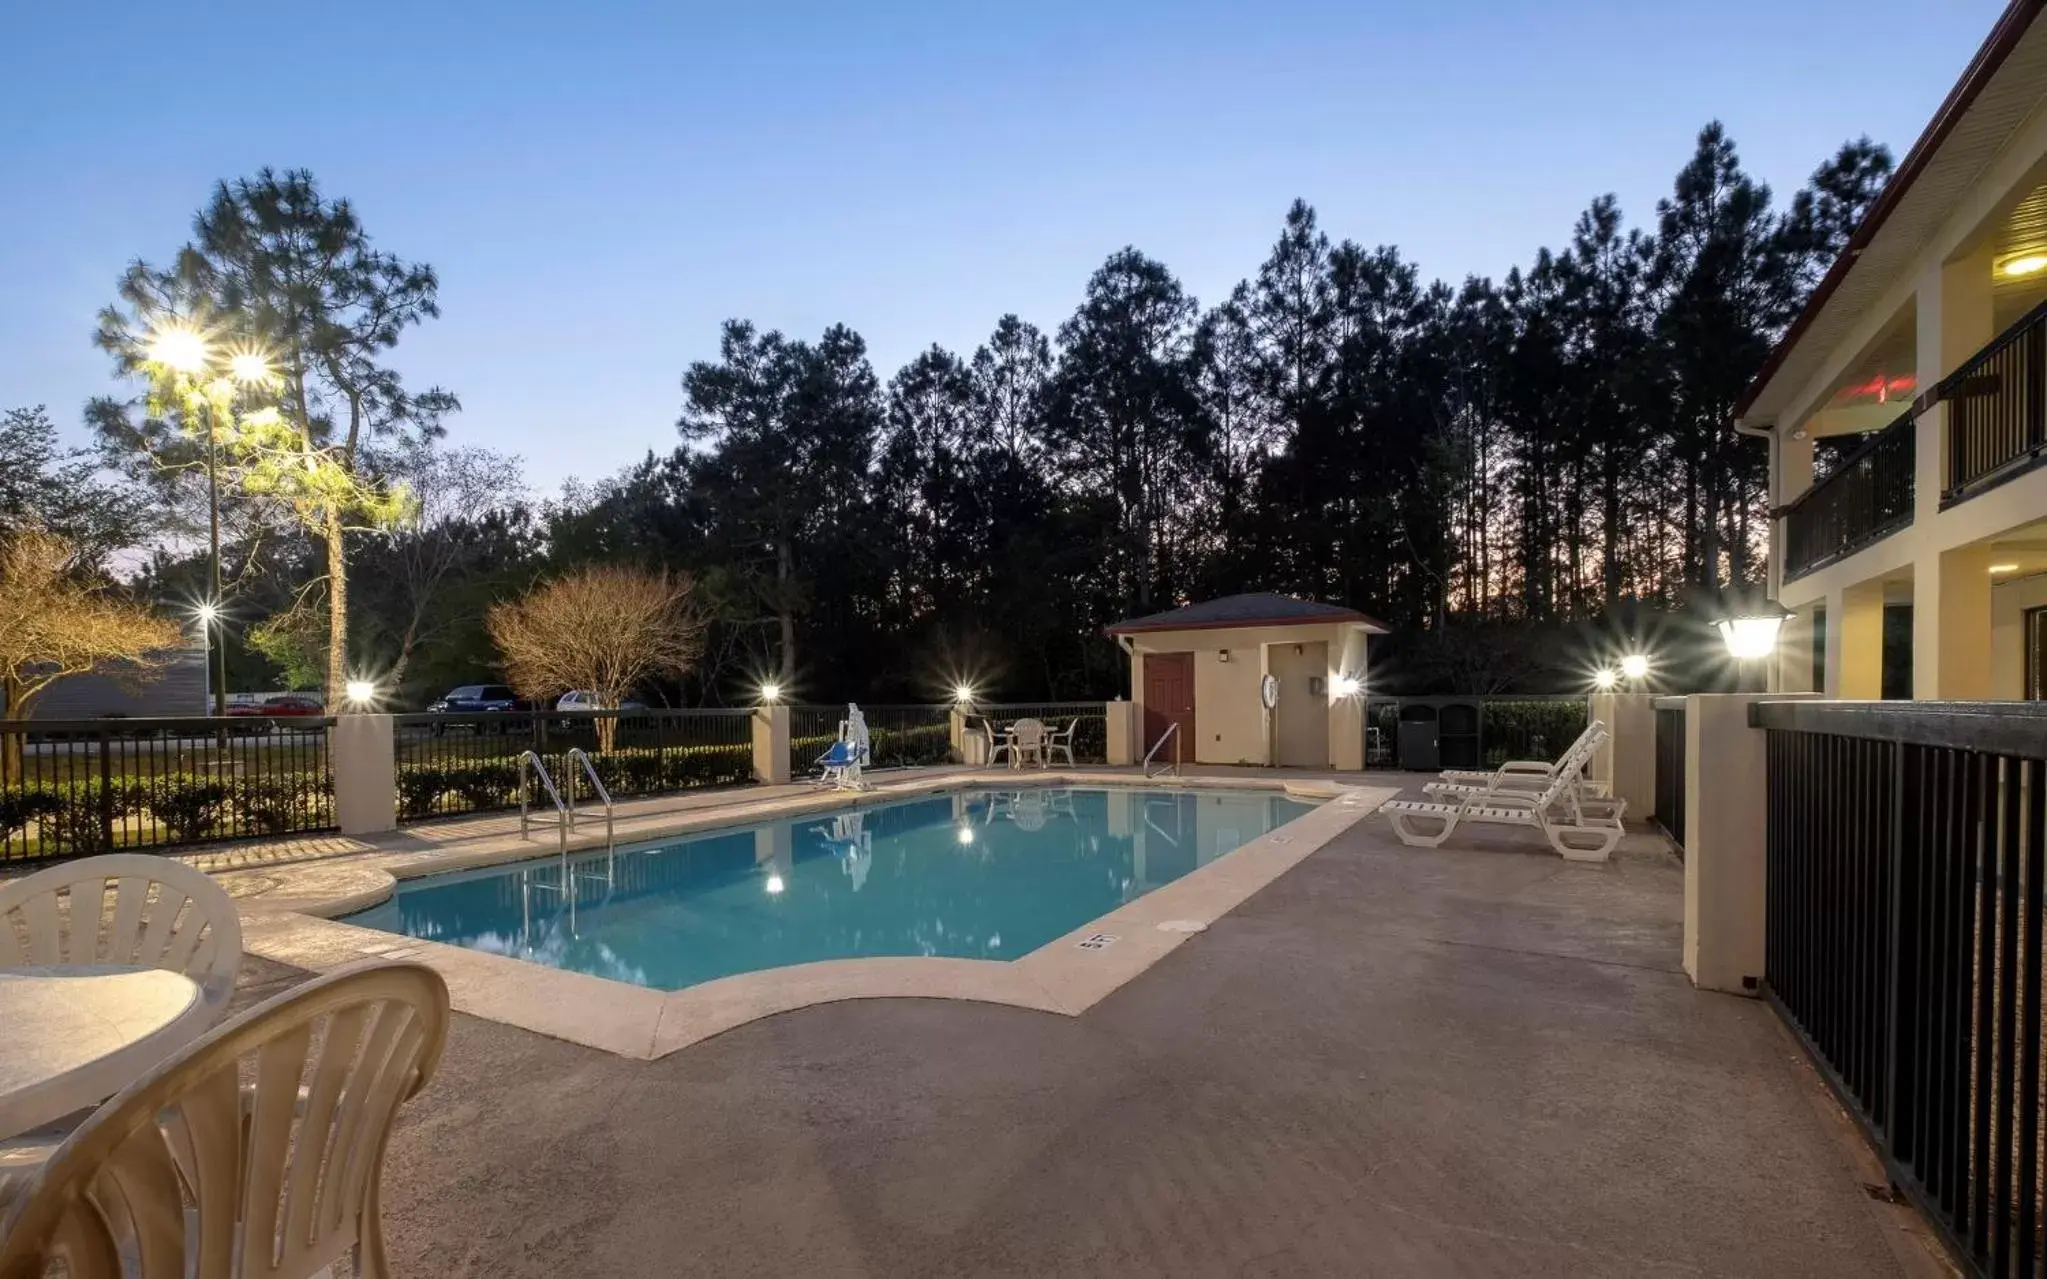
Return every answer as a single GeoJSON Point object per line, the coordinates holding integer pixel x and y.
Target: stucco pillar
{"type": "Point", "coordinates": [1792, 670]}
{"type": "Point", "coordinates": [956, 730]}
{"type": "Point", "coordinates": [1725, 862]}
{"type": "Point", "coordinates": [1951, 626]}
{"type": "Point", "coordinates": [1626, 760]}
{"type": "Point", "coordinates": [771, 743]}
{"type": "Point", "coordinates": [1955, 319]}
{"type": "Point", "coordinates": [1855, 643]}
{"type": "Point", "coordinates": [1122, 732]}
{"type": "Point", "coordinates": [1790, 477]}
{"type": "Point", "coordinates": [362, 750]}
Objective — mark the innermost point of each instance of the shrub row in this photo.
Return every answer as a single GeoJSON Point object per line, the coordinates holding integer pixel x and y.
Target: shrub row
{"type": "Point", "coordinates": [188, 807]}
{"type": "Point", "coordinates": [886, 747]}
{"type": "Point", "coordinates": [427, 789]}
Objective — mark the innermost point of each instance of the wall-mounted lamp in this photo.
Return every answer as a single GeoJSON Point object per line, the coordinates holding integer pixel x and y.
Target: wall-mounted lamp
{"type": "Point", "coordinates": [1222, 655]}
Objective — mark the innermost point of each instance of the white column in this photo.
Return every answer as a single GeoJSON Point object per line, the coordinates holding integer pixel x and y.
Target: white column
{"type": "Point", "coordinates": [1855, 642]}
{"type": "Point", "coordinates": [1951, 626]}
{"type": "Point", "coordinates": [1955, 320]}
{"type": "Point", "coordinates": [1790, 476]}
{"type": "Point", "coordinates": [1122, 748]}
{"type": "Point", "coordinates": [1726, 788]}
{"type": "Point", "coordinates": [363, 752]}
{"type": "Point", "coordinates": [1626, 760]}
{"type": "Point", "coordinates": [771, 744]}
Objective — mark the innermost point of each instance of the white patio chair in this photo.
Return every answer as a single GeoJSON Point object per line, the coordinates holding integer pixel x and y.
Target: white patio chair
{"type": "Point", "coordinates": [1061, 742]}
{"type": "Point", "coordinates": [1028, 737]}
{"type": "Point", "coordinates": [998, 743]}
{"type": "Point", "coordinates": [189, 1171]}
{"type": "Point", "coordinates": [1580, 828]}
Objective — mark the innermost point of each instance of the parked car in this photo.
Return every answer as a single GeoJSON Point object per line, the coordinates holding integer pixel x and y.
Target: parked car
{"type": "Point", "coordinates": [476, 699]}
{"type": "Point", "coordinates": [582, 699]}
{"type": "Point", "coordinates": [286, 706]}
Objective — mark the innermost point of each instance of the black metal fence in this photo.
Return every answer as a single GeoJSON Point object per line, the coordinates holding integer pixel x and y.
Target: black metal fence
{"type": "Point", "coordinates": [71, 788]}
{"type": "Point", "coordinates": [1905, 881]}
{"type": "Point", "coordinates": [1997, 412]}
{"type": "Point", "coordinates": [1670, 769]}
{"type": "Point", "coordinates": [449, 764]}
{"type": "Point", "coordinates": [1470, 732]}
{"type": "Point", "coordinates": [897, 736]}
{"type": "Point", "coordinates": [1867, 498]}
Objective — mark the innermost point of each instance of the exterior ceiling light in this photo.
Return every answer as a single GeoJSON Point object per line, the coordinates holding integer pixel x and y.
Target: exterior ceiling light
{"type": "Point", "coordinates": [2004, 568]}
{"type": "Point", "coordinates": [2024, 264]}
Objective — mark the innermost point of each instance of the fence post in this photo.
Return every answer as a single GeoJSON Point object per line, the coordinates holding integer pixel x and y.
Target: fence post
{"type": "Point", "coordinates": [956, 731]}
{"type": "Point", "coordinates": [1121, 734]}
{"type": "Point", "coordinates": [1726, 844]}
{"type": "Point", "coordinates": [364, 756]}
{"type": "Point", "coordinates": [770, 743]}
{"type": "Point", "coordinates": [1626, 760]}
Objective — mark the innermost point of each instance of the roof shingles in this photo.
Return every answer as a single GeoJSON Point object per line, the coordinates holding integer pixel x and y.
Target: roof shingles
{"type": "Point", "coordinates": [1257, 609]}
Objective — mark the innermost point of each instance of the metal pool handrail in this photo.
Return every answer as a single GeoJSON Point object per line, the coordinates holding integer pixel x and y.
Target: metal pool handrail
{"type": "Point", "coordinates": [577, 755]}
{"type": "Point", "coordinates": [563, 817]}
{"type": "Point", "coordinates": [1172, 732]}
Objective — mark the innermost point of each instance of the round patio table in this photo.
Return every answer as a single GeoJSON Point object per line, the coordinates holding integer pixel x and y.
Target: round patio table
{"type": "Point", "coordinates": [73, 1035]}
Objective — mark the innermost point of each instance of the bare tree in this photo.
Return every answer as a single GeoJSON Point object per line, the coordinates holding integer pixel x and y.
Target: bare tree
{"type": "Point", "coordinates": [604, 629]}
{"type": "Point", "coordinates": [54, 623]}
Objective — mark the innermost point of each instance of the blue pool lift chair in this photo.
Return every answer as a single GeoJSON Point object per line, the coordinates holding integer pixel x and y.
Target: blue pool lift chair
{"type": "Point", "coordinates": [840, 766]}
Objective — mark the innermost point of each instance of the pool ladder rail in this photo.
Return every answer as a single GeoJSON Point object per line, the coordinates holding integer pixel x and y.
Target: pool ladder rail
{"type": "Point", "coordinates": [564, 812]}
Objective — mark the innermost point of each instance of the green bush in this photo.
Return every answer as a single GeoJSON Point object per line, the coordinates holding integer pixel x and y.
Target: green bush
{"type": "Point", "coordinates": [24, 806]}
{"type": "Point", "coordinates": [189, 807]}
{"type": "Point", "coordinates": [420, 787]}
{"type": "Point", "coordinates": [276, 805]}
{"type": "Point", "coordinates": [486, 784]}
{"type": "Point", "coordinates": [1531, 729]}
{"type": "Point", "coordinates": [78, 821]}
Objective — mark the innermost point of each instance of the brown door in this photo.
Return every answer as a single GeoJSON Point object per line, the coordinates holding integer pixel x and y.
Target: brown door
{"type": "Point", "coordinates": [1169, 699]}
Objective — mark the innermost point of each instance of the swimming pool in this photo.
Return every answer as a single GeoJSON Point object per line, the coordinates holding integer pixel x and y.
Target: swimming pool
{"type": "Point", "coordinates": [980, 874]}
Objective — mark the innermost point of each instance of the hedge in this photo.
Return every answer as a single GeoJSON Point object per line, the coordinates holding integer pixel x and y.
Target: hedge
{"type": "Point", "coordinates": [426, 790]}
{"type": "Point", "coordinates": [886, 747]}
{"type": "Point", "coordinates": [169, 808]}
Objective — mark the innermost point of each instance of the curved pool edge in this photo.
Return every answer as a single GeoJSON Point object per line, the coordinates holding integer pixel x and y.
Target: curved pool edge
{"type": "Point", "coordinates": [290, 919]}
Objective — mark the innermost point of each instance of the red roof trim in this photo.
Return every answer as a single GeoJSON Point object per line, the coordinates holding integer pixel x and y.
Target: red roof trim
{"type": "Point", "coordinates": [2003, 38]}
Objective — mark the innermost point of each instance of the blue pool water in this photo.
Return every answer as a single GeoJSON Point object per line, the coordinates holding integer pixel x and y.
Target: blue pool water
{"type": "Point", "coordinates": [977, 874]}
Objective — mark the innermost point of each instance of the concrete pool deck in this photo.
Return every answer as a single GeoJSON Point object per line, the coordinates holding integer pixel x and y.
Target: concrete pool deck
{"type": "Point", "coordinates": [1389, 1061]}
{"type": "Point", "coordinates": [289, 909]}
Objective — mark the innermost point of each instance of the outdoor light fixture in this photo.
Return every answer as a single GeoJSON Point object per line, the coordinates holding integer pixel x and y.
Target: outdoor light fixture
{"type": "Point", "coordinates": [1346, 686]}
{"type": "Point", "coordinates": [361, 692]}
{"type": "Point", "coordinates": [2026, 264]}
{"type": "Point", "coordinates": [1751, 635]}
{"type": "Point", "coordinates": [775, 884]}
{"type": "Point", "coordinates": [2004, 568]}
{"type": "Point", "coordinates": [1635, 666]}
{"type": "Point", "coordinates": [1605, 679]}
{"type": "Point", "coordinates": [206, 613]}
{"type": "Point", "coordinates": [248, 366]}
{"type": "Point", "coordinates": [771, 692]}
{"type": "Point", "coordinates": [179, 349]}
{"type": "Point", "coordinates": [1222, 655]}
{"type": "Point", "coordinates": [963, 693]}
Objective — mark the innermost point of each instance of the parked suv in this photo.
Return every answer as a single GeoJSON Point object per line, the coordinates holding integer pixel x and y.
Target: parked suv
{"type": "Point", "coordinates": [475, 699]}
{"type": "Point", "coordinates": [582, 699]}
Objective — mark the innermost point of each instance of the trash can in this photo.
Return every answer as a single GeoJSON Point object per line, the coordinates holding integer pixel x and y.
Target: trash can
{"type": "Point", "coordinates": [1418, 737]}
{"type": "Point", "coordinates": [974, 748]}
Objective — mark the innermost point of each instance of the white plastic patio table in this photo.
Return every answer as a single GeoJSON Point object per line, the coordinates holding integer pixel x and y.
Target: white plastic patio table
{"type": "Point", "coordinates": [73, 1035]}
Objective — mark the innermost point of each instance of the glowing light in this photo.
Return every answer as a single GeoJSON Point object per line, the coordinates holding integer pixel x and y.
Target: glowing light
{"type": "Point", "coordinates": [2004, 568]}
{"type": "Point", "coordinates": [1750, 637]}
{"type": "Point", "coordinates": [206, 613]}
{"type": "Point", "coordinates": [1346, 686]}
{"type": "Point", "coordinates": [248, 366]}
{"type": "Point", "coordinates": [963, 693]}
{"type": "Point", "coordinates": [361, 691]}
{"type": "Point", "coordinates": [1605, 680]}
{"type": "Point", "coordinates": [1635, 666]}
{"type": "Point", "coordinates": [966, 835]}
{"type": "Point", "coordinates": [179, 349]}
{"type": "Point", "coordinates": [775, 884]}
{"type": "Point", "coordinates": [771, 692]}
{"type": "Point", "coordinates": [2029, 264]}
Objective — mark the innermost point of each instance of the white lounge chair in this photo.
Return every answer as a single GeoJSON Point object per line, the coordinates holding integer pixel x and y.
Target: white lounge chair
{"type": "Point", "coordinates": [190, 1171]}
{"type": "Point", "coordinates": [1581, 828]}
{"type": "Point", "coordinates": [1524, 777]}
{"type": "Point", "coordinates": [1536, 772]}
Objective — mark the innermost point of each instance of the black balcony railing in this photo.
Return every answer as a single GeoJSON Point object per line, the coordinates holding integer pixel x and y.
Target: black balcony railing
{"type": "Point", "coordinates": [1906, 863]}
{"type": "Point", "coordinates": [1865, 499]}
{"type": "Point", "coordinates": [1997, 411]}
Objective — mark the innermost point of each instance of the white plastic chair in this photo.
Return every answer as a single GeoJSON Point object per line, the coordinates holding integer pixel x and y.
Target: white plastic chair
{"type": "Point", "coordinates": [998, 743]}
{"type": "Point", "coordinates": [1528, 774]}
{"type": "Point", "coordinates": [1027, 737]}
{"type": "Point", "coordinates": [1061, 742]}
{"type": "Point", "coordinates": [189, 1171]}
{"type": "Point", "coordinates": [1578, 827]}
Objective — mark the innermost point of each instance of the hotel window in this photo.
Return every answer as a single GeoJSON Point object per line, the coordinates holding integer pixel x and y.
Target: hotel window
{"type": "Point", "coordinates": [2036, 654]}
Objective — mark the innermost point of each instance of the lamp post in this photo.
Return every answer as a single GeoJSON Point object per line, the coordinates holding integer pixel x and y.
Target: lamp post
{"type": "Point", "coordinates": [1751, 635]}
{"type": "Point", "coordinates": [186, 354]}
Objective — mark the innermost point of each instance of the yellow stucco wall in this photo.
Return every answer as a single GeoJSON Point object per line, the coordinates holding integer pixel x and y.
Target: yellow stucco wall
{"type": "Point", "coordinates": [1229, 722]}
{"type": "Point", "coordinates": [2008, 604]}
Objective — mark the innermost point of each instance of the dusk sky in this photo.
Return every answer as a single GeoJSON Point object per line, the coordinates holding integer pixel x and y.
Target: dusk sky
{"type": "Point", "coordinates": [600, 185]}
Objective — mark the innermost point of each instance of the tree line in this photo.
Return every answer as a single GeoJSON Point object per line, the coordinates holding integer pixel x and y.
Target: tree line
{"type": "Point", "coordinates": [1494, 468]}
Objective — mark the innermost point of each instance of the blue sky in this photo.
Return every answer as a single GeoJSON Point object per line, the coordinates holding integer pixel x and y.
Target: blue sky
{"type": "Point", "coordinates": [601, 184]}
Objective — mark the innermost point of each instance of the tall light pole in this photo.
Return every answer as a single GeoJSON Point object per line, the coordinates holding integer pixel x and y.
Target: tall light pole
{"type": "Point", "coordinates": [186, 354]}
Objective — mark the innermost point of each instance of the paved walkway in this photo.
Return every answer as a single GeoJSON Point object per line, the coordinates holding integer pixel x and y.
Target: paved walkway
{"type": "Point", "coordinates": [1389, 1062]}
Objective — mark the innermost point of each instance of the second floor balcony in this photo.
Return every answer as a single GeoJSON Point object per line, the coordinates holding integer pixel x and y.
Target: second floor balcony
{"type": "Point", "coordinates": [1864, 499]}
{"type": "Point", "coordinates": [1997, 411]}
